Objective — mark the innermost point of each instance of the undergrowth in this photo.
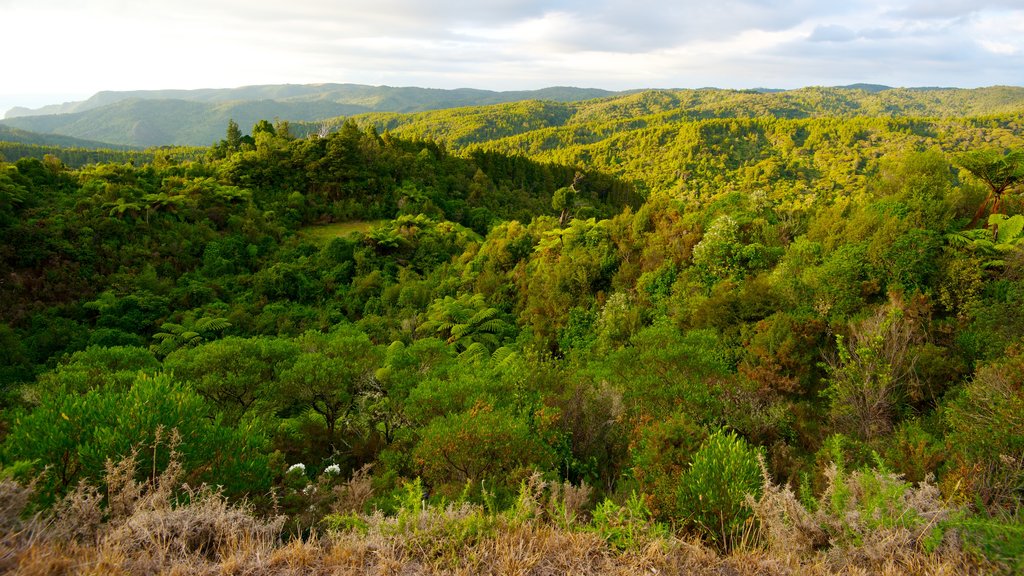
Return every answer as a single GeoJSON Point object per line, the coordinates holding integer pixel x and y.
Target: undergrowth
{"type": "Point", "coordinates": [865, 522]}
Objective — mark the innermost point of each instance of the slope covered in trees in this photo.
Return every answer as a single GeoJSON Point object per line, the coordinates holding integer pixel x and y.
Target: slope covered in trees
{"type": "Point", "coordinates": [196, 117]}
{"type": "Point", "coordinates": [657, 108]}
{"type": "Point", "coordinates": [835, 302]}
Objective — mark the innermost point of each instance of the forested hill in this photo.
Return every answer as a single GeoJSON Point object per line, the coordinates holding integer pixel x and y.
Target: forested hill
{"type": "Point", "coordinates": [14, 135]}
{"type": "Point", "coordinates": [587, 121]}
{"type": "Point", "coordinates": [664, 106]}
{"type": "Point", "coordinates": [793, 341]}
{"type": "Point", "coordinates": [814, 140]}
{"type": "Point", "coordinates": [197, 117]}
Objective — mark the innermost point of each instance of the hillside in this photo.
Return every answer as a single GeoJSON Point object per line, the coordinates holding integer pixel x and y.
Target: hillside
{"type": "Point", "coordinates": [656, 108]}
{"type": "Point", "coordinates": [197, 117]}
{"type": "Point", "coordinates": [14, 135]}
{"type": "Point", "coordinates": [660, 331]}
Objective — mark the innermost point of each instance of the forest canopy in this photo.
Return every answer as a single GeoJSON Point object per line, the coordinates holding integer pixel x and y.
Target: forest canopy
{"type": "Point", "coordinates": [656, 305]}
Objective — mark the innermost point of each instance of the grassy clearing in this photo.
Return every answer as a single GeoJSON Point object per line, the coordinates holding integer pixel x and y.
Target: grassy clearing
{"type": "Point", "coordinates": [326, 232]}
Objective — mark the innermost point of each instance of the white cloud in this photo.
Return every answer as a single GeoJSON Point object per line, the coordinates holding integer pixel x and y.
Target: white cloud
{"type": "Point", "coordinates": [82, 46]}
{"type": "Point", "coordinates": [1000, 33]}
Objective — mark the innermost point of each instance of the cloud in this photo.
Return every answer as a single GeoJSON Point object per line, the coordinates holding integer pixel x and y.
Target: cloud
{"type": "Point", "coordinates": [832, 33]}
{"type": "Point", "coordinates": [509, 44]}
{"type": "Point", "coordinates": [950, 9]}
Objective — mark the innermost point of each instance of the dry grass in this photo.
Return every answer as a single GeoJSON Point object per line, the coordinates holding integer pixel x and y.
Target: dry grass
{"type": "Point", "coordinates": [161, 527]}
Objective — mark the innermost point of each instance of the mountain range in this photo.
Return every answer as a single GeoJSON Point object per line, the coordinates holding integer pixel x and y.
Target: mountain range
{"type": "Point", "coordinates": [198, 117]}
{"type": "Point", "coordinates": [466, 116]}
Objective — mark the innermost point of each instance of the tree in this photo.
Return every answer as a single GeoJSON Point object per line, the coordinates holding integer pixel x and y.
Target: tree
{"type": "Point", "coordinates": [873, 371]}
{"type": "Point", "coordinates": [465, 321]}
{"type": "Point", "coordinates": [329, 372]}
{"type": "Point", "coordinates": [233, 138]}
{"type": "Point", "coordinates": [263, 126]}
{"type": "Point", "coordinates": [1000, 171]}
{"type": "Point", "coordinates": [717, 255]}
{"type": "Point", "coordinates": [188, 334]}
{"type": "Point", "coordinates": [564, 200]}
{"type": "Point", "coordinates": [235, 374]}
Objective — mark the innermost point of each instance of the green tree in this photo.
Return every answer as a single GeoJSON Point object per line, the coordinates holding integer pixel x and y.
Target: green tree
{"type": "Point", "coordinates": [236, 375]}
{"type": "Point", "coordinates": [1000, 171]}
{"type": "Point", "coordinates": [465, 321]}
{"type": "Point", "coordinates": [329, 372]}
{"type": "Point", "coordinates": [189, 334]}
{"type": "Point", "coordinates": [233, 138]}
{"type": "Point", "coordinates": [72, 435]}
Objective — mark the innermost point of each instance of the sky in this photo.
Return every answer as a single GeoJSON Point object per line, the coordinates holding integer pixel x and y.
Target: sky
{"type": "Point", "coordinates": [64, 50]}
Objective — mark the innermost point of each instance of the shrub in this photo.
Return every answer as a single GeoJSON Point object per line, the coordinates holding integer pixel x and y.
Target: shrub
{"type": "Point", "coordinates": [628, 527]}
{"type": "Point", "coordinates": [482, 443]}
{"type": "Point", "coordinates": [987, 429]}
{"type": "Point", "coordinates": [712, 492]}
{"type": "Point", "coordinates": [660, 456]}
{"type": "Point", "coordinates": [864, 518]}
{"type": "Point", "coordinates": [73, 434]}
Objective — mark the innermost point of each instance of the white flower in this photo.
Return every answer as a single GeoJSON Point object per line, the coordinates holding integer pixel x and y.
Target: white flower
{"type": "Point", "coordinates": [333, 470]}
{"type": "Point", "coordinates": [300, 467]}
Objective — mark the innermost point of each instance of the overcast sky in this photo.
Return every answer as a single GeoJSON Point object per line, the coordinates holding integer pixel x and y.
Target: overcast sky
{"type": "Point", "coordinates": [61, 50]}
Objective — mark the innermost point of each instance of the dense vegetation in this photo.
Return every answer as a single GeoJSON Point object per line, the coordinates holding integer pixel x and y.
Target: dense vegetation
{"type": "Point", "coordinates": [197, 117]}
{"type": "Point", "coordinates": [641, 314]}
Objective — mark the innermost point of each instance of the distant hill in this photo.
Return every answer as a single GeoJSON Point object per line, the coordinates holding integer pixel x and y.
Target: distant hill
{"type": "Point", "coordinates": [368, 98]}
{"type": "Point", "coordinates": [467, 116]}
{"type": "Point", "coordinates": [544, 123]}
{"type": "Point", "coordinates": [872, 88]}
{"type": "Point", "coordinates": [8, 134]}
{"type": "Point", "coordinates": [198, 117]}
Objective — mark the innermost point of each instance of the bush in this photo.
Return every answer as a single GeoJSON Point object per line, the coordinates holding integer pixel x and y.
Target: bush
{"type": "Point", "coordinates": [628, 527]}
{"type": "Point", "coordinates": [73, 434]}
{"type": "Point", "coordinates": [987, 430]}
{"type": "Point", "coordinates": [712, 493]}
{"type": "Point", "coordinates": [660, 456]}
{"type": "Point", "coordinates": [863, 518]}
{"type": "Point", "coordinates": [481, 444]}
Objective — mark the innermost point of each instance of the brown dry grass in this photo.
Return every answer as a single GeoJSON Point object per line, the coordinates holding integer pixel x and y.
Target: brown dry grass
{"type": "Point", "coordinates": [148, 528]}
{"type": "Point", "coordinates": [527, 549]}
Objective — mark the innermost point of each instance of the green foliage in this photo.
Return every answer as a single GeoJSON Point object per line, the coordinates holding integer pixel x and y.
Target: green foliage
{"type": "Point", "coordinates": [999, 170]}
{"type": "Point", "coordinates": [353, 298]}
{"type": "Point", "coordinates": [987, 432]}
{"type": "Point", "coordinates": [995, 540]}
{"type": "Point", "coordinates": [660, 457]}
{"type": "Point", "coordinates": [712, 491]}
{"type": "Point", "coordinates": [717, 256]}
{"type": "Point", "coordinates": [868, 380]}
{"type": "Point", "coordinates": [628, 527]}
{"type": "Point", "coordinates": [72, 435]}
{"type": "Point", "coordinates": [481, 444]}
{"type": "Point", "coordinates": [665, 370]}
{"type": "Point", "coordinates": [329, 372]}
{"type": "Point", "coordinates": [466, 321]}
{"type": "Point", "coordinates": [96, 368]}
{"type": "Point", "coordinates": [236, 375]}
{"type": "Point", "coordinates": [174, 336]}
